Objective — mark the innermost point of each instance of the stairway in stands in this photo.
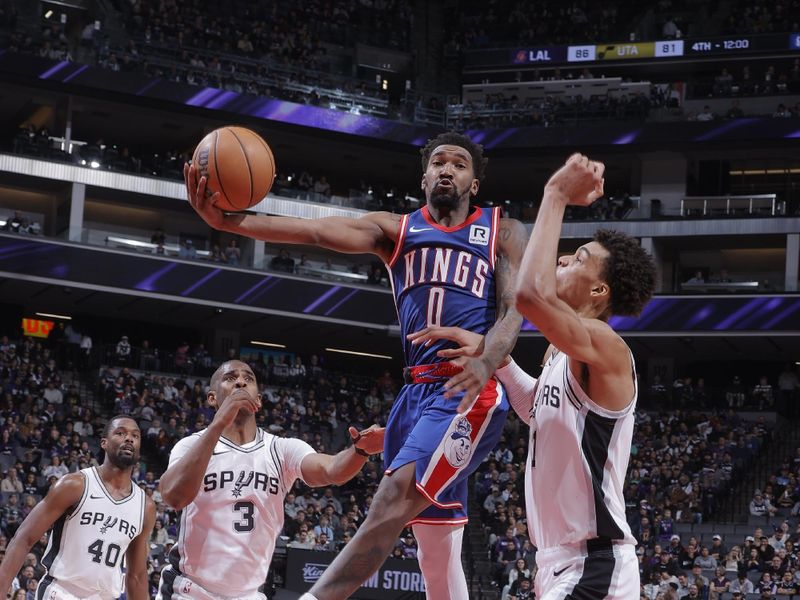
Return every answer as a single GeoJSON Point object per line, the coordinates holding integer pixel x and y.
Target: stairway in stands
{"type": "Point", "coordinates": [477, 562]}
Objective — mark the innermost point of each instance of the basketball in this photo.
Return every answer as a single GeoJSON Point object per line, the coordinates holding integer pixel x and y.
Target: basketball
{"type": "Point", "coordinates": [238, 164]}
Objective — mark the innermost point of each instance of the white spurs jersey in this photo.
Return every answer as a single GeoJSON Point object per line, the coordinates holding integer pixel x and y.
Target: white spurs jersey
{"type": "Point", "coordinates": [228, 532]}
{"type": "Point", "coordinates": [86, 549]}
{"type": "Point", "coordinates": [577, 459]}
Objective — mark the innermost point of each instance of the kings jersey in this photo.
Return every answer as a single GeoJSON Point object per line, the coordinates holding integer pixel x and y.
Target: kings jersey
{"type": "Point", "coordinates": [444, 276]}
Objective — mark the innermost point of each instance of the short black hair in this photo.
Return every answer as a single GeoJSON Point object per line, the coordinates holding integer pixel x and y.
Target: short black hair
{"type": "Point", "coordinates": [629, 272]}
{"type": "Point", "coordinates": [452, 138]}
{"type": "Point", "coordinates": [110, 422]}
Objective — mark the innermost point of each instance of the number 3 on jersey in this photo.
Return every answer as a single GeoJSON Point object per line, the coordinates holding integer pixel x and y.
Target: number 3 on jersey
{"type": "Point", "coordinates": [246, 509]}
{"type": "Point", "coordinates": [435, 306]}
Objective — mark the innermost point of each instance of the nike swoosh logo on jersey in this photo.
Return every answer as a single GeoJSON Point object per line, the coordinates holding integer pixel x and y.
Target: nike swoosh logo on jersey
{"type": "Point", "coordinates": [413, 229]}
{"type": "Point", "coordinates": [223, 452]}
{"type": "Point", "coordinates": [93, 497]}
{"type": "Point", "coordinates": [557, 573]}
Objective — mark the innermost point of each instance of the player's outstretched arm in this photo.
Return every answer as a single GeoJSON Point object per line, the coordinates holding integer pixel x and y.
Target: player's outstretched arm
{"type": "Point", "coordinates": [374, 233]}
{"type": "Point", "coordinates": [324, 469]}
{"type": "Point", "coordinates": [189, 458]}
{"type": "Point", "coordinates": [591, 341]}
{"type": "Point", "coordinates": [137, 586]}
{"type": "Point", "coordinates": [64, 497]}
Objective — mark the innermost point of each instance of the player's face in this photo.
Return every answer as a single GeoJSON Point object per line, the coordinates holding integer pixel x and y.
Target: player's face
{"type": "Point", "coordinates": [123, 443]}
{"type": "Point", "coordinates": [449, 178]}
{"type": "Point", "coordinates": [579, 276]}
{"type": "Point", "coordinates": [235, 375]}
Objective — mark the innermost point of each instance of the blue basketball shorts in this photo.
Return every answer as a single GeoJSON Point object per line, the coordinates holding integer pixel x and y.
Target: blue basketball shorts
{"type": "Point", "coordinates": [446, 447]}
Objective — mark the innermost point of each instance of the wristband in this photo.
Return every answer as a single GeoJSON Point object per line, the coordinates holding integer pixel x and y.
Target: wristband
{"type": "Point", "coordinates": [360, 452]}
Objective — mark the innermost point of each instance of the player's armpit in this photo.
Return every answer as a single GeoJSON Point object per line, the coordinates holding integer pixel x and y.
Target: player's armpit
{"type": "Point", "coordinates": [136, 580]}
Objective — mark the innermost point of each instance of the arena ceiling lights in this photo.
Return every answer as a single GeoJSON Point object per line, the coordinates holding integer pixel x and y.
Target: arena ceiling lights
{"type": "Point", "coordinates": [355, 353]}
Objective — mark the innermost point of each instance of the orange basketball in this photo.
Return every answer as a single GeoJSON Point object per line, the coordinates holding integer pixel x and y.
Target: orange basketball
{"type": "Point", "coordinates": [238, 164]}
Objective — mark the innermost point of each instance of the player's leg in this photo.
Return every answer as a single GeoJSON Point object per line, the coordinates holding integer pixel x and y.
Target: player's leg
{"type": "Point", "coordinates": [439, 555]}
{"type": "Point", "coordinates": [396, 502]}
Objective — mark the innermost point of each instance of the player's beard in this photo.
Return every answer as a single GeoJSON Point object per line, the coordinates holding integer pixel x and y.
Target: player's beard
{"type": "Point", "coordinates": [124, 461]}
{"type": "Point", "coordinates": [445, 199]}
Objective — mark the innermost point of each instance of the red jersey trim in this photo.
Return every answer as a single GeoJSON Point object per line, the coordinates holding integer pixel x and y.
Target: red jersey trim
{"type": "Point", "coordinates": [476, 214]}
{"type": "Point", "coordinates": [398, 245]}
{"type": "Point", "coordinates": [493, 240]}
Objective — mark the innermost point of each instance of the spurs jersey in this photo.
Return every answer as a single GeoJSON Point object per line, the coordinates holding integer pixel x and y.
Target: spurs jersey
{"type": "Point", "coordinates": [86, 550]}
{"type": "Point", "coordinates": [577, 459]}
{"type": "Point", "coordinates": [228, 532]}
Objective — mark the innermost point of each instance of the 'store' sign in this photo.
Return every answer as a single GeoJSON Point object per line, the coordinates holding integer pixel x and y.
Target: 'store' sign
{"type": "Point", "coordinates": [395, 580]}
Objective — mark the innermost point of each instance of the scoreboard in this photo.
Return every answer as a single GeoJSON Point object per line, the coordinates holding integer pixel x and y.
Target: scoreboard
{"type": "Point", "coordinates": [691, 47]}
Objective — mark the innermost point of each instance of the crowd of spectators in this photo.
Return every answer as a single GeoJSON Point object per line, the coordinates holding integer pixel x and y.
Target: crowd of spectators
{"type": "Point", "coordinates": [762, 16]}
{"type": "Point", "coordinates": [499, 111]}
{"type": "Point", "coordinates": [756, 395]}
{"type": "Point", "coordinates": [750, 80]}
{"type": "Point", "coordinates": [494, 24]}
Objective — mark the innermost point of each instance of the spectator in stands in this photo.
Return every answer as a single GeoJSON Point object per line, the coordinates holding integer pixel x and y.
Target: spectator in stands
{"type": "Point", "coordinates": [782, 112]}
{"type": "Point", "coordinates": [521, 590]}
{"type": "Point", "coordinates": [698, 277]}
{"type": "Point", "coordinates": [735, 111]}
{"type": "Point", "coordinates": [763, 396]}
{"type": "Point", "coordinates": [233, 254]}
{"type": "Point", "coordinates": [123, 351]}
{"type": "Point", "coordinates": [741, 584]}
{"type": "Point", "coordinates": [697, 579]}
{"type": "Point", "coordinates": [735, 395]}
{"type": "Point", "coordinates": [282, 262]}
{"type": "Point", "coordinates": [11, 483]}
{"type": "Point", "coordinates": [56, 468]}
{"type": "Point", "coordinates": [322, 187]}
{"type": "Point", "coordinates": [11, 515]}
{"type": "Point", "coordinates": [15, 223]}
{"type": "Point", "coordinates": [706, 114]}
{"type": "Point", "coordinates": [216, 254]}
{"type": "Point", "coordinates": [520, 570]}
{"type": "Point", "coordinates": [187, 250]}
{"type": "Point", "coordinates": [158, 237]}
{"type": "Point", "coordinates": [705, 560]}
{"type": "Point", "coordinates": [787, 585]}
{"type": "Point", "coordinates": [719, 584]}
{"type": "Point", "coordinates": [324, 544]}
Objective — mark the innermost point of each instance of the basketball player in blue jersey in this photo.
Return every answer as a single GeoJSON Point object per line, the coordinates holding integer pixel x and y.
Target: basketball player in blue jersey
{"type": "Point", "coordinates": [450, 264]}
{"type": "Point", "coordinates": [581, 408]}
{"type": "Point", "coordinates": [98, 518]}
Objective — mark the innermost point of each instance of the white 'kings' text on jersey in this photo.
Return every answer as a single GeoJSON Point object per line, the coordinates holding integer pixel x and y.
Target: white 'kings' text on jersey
{"type": "Point", "coordinates": [228, 532]}
{"type": "Point", "coordinates": [87, 547]}
{"type": "Point", "coordinates": [577, 459]}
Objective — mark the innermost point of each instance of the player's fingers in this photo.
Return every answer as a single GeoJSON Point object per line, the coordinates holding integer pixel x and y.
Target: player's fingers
{"type": "Point", "coordinates": [463, 406]}
{"type": "Point", "coordinates": [599, 168]}
{"type": "Point", "coordinates": [451, 352]}
{"type": "Point", "coordinates": [353, 432]}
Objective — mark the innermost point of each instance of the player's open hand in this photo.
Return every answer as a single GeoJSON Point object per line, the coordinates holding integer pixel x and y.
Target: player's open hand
{"type": "Point", "coordinates": [370, 440]}
{"type": "Point", "coordinates": [202, 202]}
{"type": "Point", "coordinates": [469, 342]}
{"type": "Point", "coordinates": [580, 181]}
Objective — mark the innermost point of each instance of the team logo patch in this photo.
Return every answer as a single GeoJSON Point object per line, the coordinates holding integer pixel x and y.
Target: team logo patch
{"type": "Point", "coordinates": [458, 447]}
{"type": "Point", "coordinates": [478, 234]}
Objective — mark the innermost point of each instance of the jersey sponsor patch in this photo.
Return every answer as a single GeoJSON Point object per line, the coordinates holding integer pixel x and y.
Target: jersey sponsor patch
{"type": "Point", "coordinates": [479, 235]}
{"type": "Point", "coordinates": [458, 447]}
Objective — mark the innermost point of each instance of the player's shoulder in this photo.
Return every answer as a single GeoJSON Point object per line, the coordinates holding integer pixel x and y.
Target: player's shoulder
{"type": "Point", "coordinates": [189, 440]}
{"type": "Point", "coordinates": [69, 489]}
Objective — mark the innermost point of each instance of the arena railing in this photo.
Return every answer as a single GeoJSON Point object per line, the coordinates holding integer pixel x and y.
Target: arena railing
{"type": "Point", "coordinates": [761, 204]}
